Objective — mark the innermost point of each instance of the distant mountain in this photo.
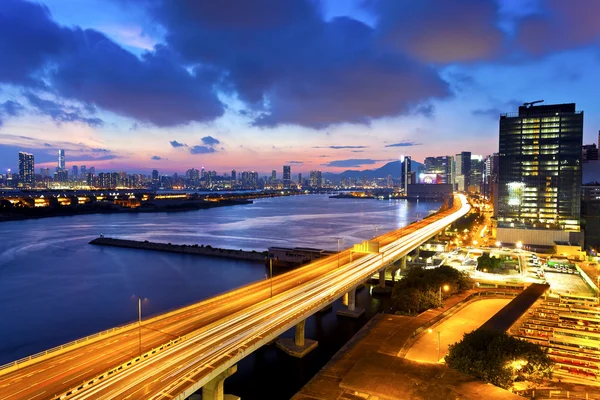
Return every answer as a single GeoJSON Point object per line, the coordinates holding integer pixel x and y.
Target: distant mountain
{"type": "Point", "coordinates": [392, 168]}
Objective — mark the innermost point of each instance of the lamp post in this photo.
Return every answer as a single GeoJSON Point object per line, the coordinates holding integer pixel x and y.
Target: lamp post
{"type": "Point", "coordinates": [376, 229]}
{"type": "Point", "coordinates": [271, 275]}
{"type": "Point", "coordinates": [439, 342]}
{"type": "Point", "coordinates": [139, 299]}
{"type": "Point", "coordinates": [446, 288]}
{"type": "Point", "coordinates": [338, 257]}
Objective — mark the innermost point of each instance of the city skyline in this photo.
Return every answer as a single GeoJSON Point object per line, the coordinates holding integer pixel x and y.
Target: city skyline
{"type": "Point", "coordinates": [251, 119]}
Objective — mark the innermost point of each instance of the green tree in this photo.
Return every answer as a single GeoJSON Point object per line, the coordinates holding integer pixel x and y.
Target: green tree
{"type": "Point", "coordinates": [498, 358]}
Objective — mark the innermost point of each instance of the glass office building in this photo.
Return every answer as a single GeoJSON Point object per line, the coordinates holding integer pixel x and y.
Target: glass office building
{"type": "Point", "coordinates": [539, 173]}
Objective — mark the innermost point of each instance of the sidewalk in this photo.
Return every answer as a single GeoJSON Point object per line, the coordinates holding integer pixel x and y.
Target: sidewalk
{"type": "Point", "coordinates": [372, 363]}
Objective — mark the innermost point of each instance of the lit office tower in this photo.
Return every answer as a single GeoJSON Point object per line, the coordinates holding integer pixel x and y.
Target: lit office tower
{"type": "Point", "coordinates": [299, 180]}
{"type": "Point", "coordinates": [82, 173]}
{"type": "Point", "coordinates": [287, 176]}
{"type": "Point", "coordinates": [75, 174]}
{"type": "Point", "coordinates": [476, 174]}
{"type": "Point", "coordinates": [441, 165]}
{"type": "Point", "coordinates": [61, 159]}
{"type": "Point", "coordinates": [233, 175]}
{"type": "Point", "coordinates": [273, 176]}
{"type": "Point", "coordinates": [405, 175]}
{"type": "Point", "coordinates": [26, 170]}
{"type": "Point", "coordinates": [462, 171]}
{"type": "Point", "coordinates": [539, 175]}
{"type": "Point", "coordinates": [316, 179]}
{"type": "Point", "coordinates": [155, 178]}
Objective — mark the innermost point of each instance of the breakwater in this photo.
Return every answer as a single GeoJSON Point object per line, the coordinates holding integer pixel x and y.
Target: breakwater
{"type": "Point", "coordinates": [182, 249]}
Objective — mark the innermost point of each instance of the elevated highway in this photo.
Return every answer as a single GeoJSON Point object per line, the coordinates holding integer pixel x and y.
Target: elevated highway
{"type": "Point", "coordinates": [198, 346]}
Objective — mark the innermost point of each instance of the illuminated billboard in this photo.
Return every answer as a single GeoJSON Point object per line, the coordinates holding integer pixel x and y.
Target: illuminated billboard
{"type": "Point", "coordinates": [430, 179]}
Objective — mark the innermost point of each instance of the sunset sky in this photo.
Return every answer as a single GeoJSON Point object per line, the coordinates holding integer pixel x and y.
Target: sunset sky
{"type": "Point", "coordinates": [138, 85]}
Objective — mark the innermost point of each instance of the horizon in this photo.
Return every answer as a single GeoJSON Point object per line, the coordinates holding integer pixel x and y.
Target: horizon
{"type": "Point", "coordinates": [317, 85]}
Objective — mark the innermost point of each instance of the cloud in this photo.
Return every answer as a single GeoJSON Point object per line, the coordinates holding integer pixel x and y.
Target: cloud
{"type": "Point", "coordinates": [290, 66]}
{"type": "Point", "coordinates": [210, 141]}
{"type": "Point", "coordinates": [357, 151]}
{"type": "Point", "coordinates": [201, 150]}
{"type": "Point", "coordinates": [175, 143]}
{"type": "Point", "coordinates": [440, 31]}
{"type": "Point", "coordinates": [85, 65]}
{"type": "Point", "coordinates": [494, 112]}
{"type": "Point", "coordinates": [11, 108]}
{"type": "Point", "coordinates": [295, 162]}
{"type": "Point", "coordinates": [156, 158]}
{"type": "Point", "coordinates": [560, 25]}
{"type": "Point", "coordinates": [340, 147]}
{"type": "Point", "coordinates": [59, 112]}
{"type": "Point", "coordinates": [404, 143]}
{"type": "Point", "coordinates": [353, 162]}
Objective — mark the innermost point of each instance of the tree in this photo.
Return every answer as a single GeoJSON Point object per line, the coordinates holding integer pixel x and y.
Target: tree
{"type": "Point", "coordinates": [419, 290]}
{"type": "Point", "coordinates": [491, 264]}
{"type": "Point", "coordinates": [498, 358]}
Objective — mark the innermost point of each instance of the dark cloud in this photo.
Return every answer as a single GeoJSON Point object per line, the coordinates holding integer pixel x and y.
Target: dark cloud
{"type": "Point", "coordinates": [47, 145]}
{"type": "Point", "coordinates": [340, 147]}
{"type": "Point", "coordinates": [87, 66]}
{"type": "Point", "coordinates": [353, 162]}
{"type": "Point", "coordinates": [295, 162]}
{"type": "Point", "coordinates": [175, 143]}
{"type": "Point", "coordinates": [560, 25]}
{"type": "Point", "coordinates": [11, 108]}
{"type": "Point", "coordinates": [59, 112]}
{"type": "Point", "coordinates": [201, 150]}
{"type": "Point", "coordinates": [156, 158]}
{"type": "Point", "coordinates": [99, 150]}
{"type": "Point", "coordinates": [306, 70]}
{"type": "Point", "coordinates": [494, 112]}
{"type": "Point", "coordinates": [404, 143]}
{"type": "Point", "coordinates": [440, 31]}
{"type": "Point", "coordinates": [357, 151]}
{"type": "Point", "coordinates": [210, 141]}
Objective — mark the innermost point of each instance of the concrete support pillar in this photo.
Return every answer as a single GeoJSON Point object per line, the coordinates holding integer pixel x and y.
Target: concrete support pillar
{"type": "Point", "coordinates": [403, 263]}
{"type": "Point", "coordinates": [352, 300]}
{"type": "Point", "coordinates": [299, 346]}
{"type": "Point", "coordinates": [382, 278]}
{"type": "Point", "coordinates": [299, 336]}
{"type": "Point", "coordinates": [351, 311]}
{"type": "Point", "coordinates": [213, 390]}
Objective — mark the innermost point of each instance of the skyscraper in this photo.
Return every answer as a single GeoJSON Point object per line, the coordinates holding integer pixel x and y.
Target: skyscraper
{"type": "Point", "coordinates": [26, 169]}
{"type": "Point", "coordinates": [316, 179]}
{"type": "Point", "coordinates": [61, 159]}
{"type": "Point", "coordinates": [82, 173]}
{"type": "Point", "coordinates": [539, 175]}
{"type": "Point", "coordinates": [75, 174]}
{"type": "Point", "coordinates": [233, 175]}
{"type": "Point", "coordinates": [299, 180]}
{"type": "Point", "coordinates": [273, 176]}
{"type": "Point", "coordinates": [476, 174]}
{"type": "Point", "coordinates": [287, 176]}
{"type": "Point", "coordinates": [405, 175]}
{"type": "Point", "coordinates": [462, 176]}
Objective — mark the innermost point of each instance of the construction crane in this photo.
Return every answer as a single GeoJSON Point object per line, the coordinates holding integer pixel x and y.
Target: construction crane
{"type": "Point", "coordinates": [532, 103]}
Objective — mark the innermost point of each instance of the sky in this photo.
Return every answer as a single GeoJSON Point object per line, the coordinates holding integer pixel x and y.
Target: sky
{"type": "Point", "coordinates": [137, 85]}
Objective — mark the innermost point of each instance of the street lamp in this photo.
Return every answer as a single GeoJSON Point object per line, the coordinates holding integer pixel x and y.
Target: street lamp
{"type": "Point", "coordinates": [446, 288]}
{"type": "Point", "coordinates": [498, 244]}
{"type": "Point", "coordinates": [139, 299]}
{"type": "Point", "coordinates": [439, 341]}
{"type": "Point", "coordinates": [338, 240]}
{"type": "Point", "coordinates": [376, 229]}
{"type": "Point", "coordinates": [519, 245]}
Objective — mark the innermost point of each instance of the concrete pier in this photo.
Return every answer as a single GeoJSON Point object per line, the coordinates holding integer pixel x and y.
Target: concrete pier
{"type": "Point", "coordinates": [299, 346]}
{"type": "Point", "coordinates": [213, 390]}
{"type": "Point", "coordinates": [351, 311]}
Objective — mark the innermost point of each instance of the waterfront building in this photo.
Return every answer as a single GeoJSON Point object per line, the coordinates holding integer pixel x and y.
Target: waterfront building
{"type": "Point", "coordinates": [273, 176]}
{"type": "Point", "coordinates": [233, 175]}
{"type": "Point", "coordinates": [441, 165]}
{"type": "Point", "coordinates": [299, 180]}
{"type": "Point", "coordinates": [45, 173]}
{"type": "Point", "coordinates": [75, 173]}
{"type": "Point", "coordinates": [405, 174]}
{"type": "Point", "coordinates": [155, 179]}
{"type": "Point", "coordinates": [61, 159]}
{"type": "Point", "coordinates": [26, 170]}
{"type": "Point", "coordinates": [315, 179]}
{"type": "Point", "coordinates": [539, 175]}
{"type": "Point", "coordinates": [287, 175]}
{"type": "Point", "coordinates": [82, 173]}
{"type": "Point", "coordinates": [93, 171]}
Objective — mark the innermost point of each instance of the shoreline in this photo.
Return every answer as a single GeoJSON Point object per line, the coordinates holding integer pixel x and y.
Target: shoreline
{"type": "Point", "coordinates": [182, 249]}
{"type": "Point", "coordinates": [86, 210]}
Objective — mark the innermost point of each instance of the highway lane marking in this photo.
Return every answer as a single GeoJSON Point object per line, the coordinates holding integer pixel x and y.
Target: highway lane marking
{"type": "Point", "coordinates": [33, 397]}
{"type": "Point", "coordinates": [77, 376]}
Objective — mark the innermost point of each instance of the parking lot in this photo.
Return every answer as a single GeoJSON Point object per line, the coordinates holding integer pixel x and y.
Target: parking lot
{"type": "Point", "coordinates": [567, 283]}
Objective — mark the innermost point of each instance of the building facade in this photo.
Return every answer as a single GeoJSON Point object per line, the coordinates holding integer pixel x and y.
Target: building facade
{"type": "Point", "coordinates": [287, 176]}
{"type": "Point", "coordinates": [26, 170]}
{"type": "Point", "coordinates": [462, 173]}
{"type": "Point", "coordinates": [539, 175]}
{"type": "Point", "coordinates": [442, 166]}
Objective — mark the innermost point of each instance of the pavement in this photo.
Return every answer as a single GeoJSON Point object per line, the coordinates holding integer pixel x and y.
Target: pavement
{"type": "Point", "coordinates": [469, 318]}
{"type": "Point", "coordinates": [371, 365]}
{"type": "Point", "coordinates": [567, 283]}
